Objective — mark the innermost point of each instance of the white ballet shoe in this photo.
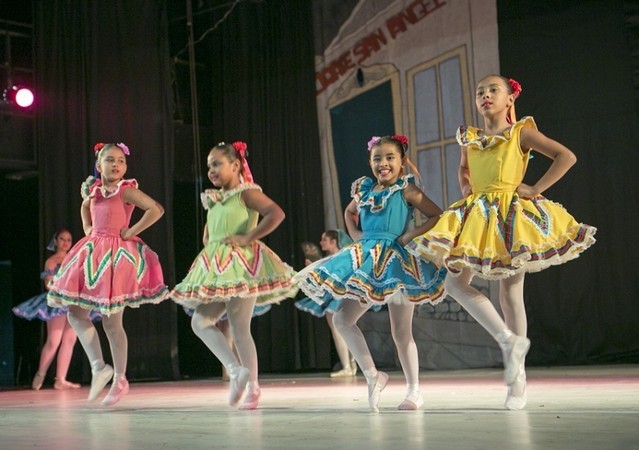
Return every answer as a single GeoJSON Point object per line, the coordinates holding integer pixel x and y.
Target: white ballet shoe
{"type": "Point", "coordinates": [251, 400]}
{"type": "Point", "coordinates": [64, 385]}
{"type": "Point", "coordinates": [346, 372]}
{"type": "Point", "coordinates": [38, 379]}
{"type": "Point", "coordinates": [353, 366]}
{"type": "Point", "coordinates": [514, 357]}
{"type": "Point", "coordinates": [119, 388]}
{"type": "Point", "coordinates": [238, 377]}
{"type": "Point", "coordinates": [412, 402]}
{"type": "Point", "coordinates": [516, 398]}
{"type": "Point", "coordinates": [99, 379]}
{"type": "Point", "coordinates": [375, 390]}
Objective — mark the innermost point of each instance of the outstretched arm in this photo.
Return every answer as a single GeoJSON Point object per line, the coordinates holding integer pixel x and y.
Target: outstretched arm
{"type": "Point", "coordinates": [272, 216]}
{"type": "Point", "coordinates": [423, 204]}
{"type": "Point", "coordinates": [152, 212]}
{"type": "Point", "coordinates": [563, 160]}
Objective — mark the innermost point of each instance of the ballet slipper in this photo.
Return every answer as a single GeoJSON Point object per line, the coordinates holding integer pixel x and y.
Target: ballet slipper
{"type": "Point", "coordinates": [251, 399]}
{"type": "Point", "coordinates": [346, 372]}
{"type": "Point", "coordinates": [238, 377]}
{"type": "Point", "coordinates": [99, 379]}
{"type": "Point", "coordinates": [412, 402]}
{"type": "Point", "coordinates": [353, 366]}
{"type": "Point", "coordinates": [516, 398]}
{"type": "Point", "coordinates": [119, 388]}
{"type": "Point", "coordinates": [64, 385]}
{"type": "Point", "coordinates": [375, 390]}
{"type": "Point", "coordinates": [514, 356]}
{"type": "Point", "coordinates": [38, 379]}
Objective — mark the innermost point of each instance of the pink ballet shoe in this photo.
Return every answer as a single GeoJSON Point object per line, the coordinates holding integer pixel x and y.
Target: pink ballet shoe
{"type": "Point", "coordinates": [119, 389]}
{"type": "Point", "coordinates": [375, 390]}
{"type": "Point", "coordinates": [238, 377]}
{"type": "Point", "coordinates": [412, 402]}
{"type": "Point", "coordinates": [38, 379]}
{"type": "Point", "coordinates": [64, 385]}
{"type": "Point", "coordinates": [514, 357]}
{"type": "Point", "coordinates": [99, 379]}
{"type": "Point", "coordinates": [251, 400]}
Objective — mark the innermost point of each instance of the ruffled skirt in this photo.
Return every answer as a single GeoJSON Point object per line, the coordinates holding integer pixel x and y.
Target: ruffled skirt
{"type": "Point", "coordinates": [37, 308]}
{"type": "Point", "coordinates": [221, 272]}
{"type": "Point", "coordinates": [499, 234]}
{"type": "Point", "coordinates": [107, 274]}
{"type": "Point", "coordinates": [373, 271]}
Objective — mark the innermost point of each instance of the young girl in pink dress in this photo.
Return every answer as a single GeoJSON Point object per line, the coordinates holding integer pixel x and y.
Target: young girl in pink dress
{"type": "Point", "coordinates": [110, 268]}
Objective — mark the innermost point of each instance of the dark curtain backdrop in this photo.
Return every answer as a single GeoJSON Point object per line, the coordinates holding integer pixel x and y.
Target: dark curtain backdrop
{"type": "Point", "coordinates": [103, 74]}
{"type": "Point", "coordinates": [256, 79]}
{"type": "Point", "coordinates": [574, 60]}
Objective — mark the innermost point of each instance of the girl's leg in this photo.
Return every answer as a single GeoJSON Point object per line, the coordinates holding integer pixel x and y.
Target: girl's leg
{"type": "Point", "coordinates": [55, 328]}
{"type": "Point", "coordinates": [224, 327]}
{"type": "Point", "coordinates": [119, 345]}
{"type": "Point", "coordinates": [64, 358]}
{"type": "Point", "coordinates": [511, 299]}
{"type": "Point", "coordinates": [345, 321]}
{"type": "Point", "coordinates": [204, 326]}
{"type": "Point", "coordinates": [101, 373]}
{"type": "Point", "coordinates": [479, 306]}
{"type": "Point", "coordinates": [401, 319]}
{"type": "Point", "coordinates": [240, 313]}
{"type": "Point", "coordinates": [342, 350]}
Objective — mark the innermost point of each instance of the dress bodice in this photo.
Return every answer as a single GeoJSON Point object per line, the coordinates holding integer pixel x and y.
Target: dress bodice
{"type": "Point", "coordinates": [109, 212]}
{"type": "Point", "coordinates": [496, 162]}
{"type": "Point", "coordinates": [227, 214]}
{"type": "Point", "coordinates": [384, 214]}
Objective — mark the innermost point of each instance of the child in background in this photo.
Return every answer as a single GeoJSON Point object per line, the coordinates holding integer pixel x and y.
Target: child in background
{"type": "Point", "coordinates": [332, 241]}
{"type": "Point", "coordinates": [503, 227]}
{"type": "Point", "coordinates": [234, 271]}
{"type": "Point", "coordinates": [110, 268]}
{"type": "Point", "coordinates": [61, 337]}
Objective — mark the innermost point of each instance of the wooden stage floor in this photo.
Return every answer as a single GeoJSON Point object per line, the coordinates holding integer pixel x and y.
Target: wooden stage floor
{"type": "Point", "coordinates": [584, 407]}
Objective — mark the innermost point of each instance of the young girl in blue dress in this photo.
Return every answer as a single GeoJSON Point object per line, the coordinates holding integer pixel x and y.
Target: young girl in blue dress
{"type": "Point", "coordinates": [376, 269]}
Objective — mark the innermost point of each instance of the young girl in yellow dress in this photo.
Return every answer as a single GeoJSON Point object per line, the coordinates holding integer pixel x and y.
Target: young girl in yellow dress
{"type": "Point", "coordinates": [503, 227]}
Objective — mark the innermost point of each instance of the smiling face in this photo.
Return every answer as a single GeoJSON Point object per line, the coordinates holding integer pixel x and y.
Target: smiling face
{"type": "Point", "coordinates": [493, 97]}
{"type": "Point", "coordinates": [111, 164]}
{"type": "Point", "coordinates": [386, 163]}
{"type": "Point", "coordinates": [223, 172]}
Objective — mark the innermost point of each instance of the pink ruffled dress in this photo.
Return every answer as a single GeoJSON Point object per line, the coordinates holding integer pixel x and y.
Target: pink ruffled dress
{"type": "Point", "coordinates": [103, 272]}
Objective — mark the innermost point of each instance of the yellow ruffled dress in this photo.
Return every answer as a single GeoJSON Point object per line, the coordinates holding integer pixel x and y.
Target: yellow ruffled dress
{"type": "Point", "coordinates": [493, 231]}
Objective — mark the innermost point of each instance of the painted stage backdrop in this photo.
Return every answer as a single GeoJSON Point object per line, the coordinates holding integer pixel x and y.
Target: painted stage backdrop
{"type": "Point", "coordinates": [408, 67]}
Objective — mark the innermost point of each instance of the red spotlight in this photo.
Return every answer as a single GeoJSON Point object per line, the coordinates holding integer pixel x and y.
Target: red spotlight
{"type": "Point", "coordinates": [19, 95]}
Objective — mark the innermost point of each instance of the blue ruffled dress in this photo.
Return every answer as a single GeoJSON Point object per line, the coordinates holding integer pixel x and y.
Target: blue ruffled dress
{"type": "Point", "coordinates": [37, 308]}
{"type": "Point", "coordinates": [375, 269]}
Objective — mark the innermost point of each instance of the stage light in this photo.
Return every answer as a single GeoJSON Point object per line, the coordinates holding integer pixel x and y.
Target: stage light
{"type": "Point", "coordinates": [21, 96]}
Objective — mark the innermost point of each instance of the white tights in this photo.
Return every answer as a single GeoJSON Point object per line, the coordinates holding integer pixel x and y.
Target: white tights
{"type": "Point", "coordinates": [239, 312]}
{"type": "Point", "coordinates": [60, 338]}
{"type": "Point", "coordinates": [401, 319]}
{"type": "Point", "coordinates": [88, 336]}
{"type": "Point", "coordinates": [340, 343]}
{"type": "Point", "coordinates": [511, 299]}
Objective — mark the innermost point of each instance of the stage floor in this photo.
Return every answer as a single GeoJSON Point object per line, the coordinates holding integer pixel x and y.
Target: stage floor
{"type": "Point", "coordinates": [585, 407]}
